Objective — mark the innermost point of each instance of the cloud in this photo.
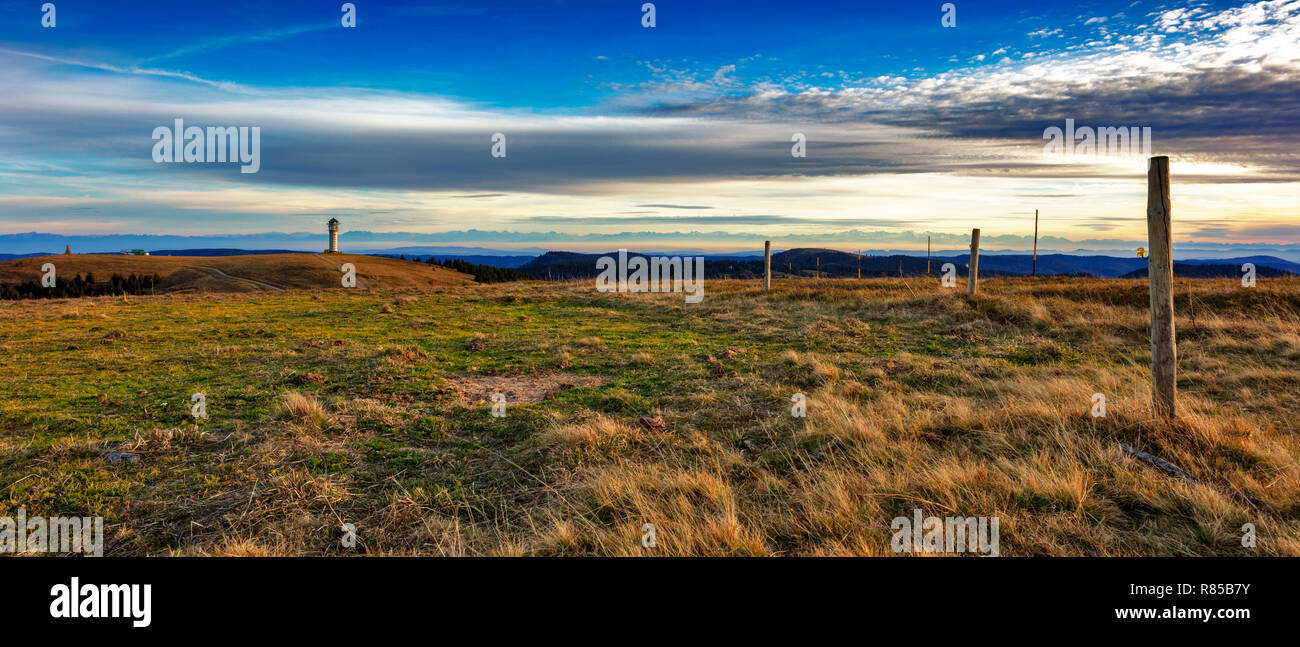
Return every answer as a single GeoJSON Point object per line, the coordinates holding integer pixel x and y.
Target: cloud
{"type": "Point", "coordinates": [1226, 85]}
{"type": "Point", "coordinates": [1219, 88]}
{"type": "Point", "coordinates": [758, 219]}
{"type": "Point", "coordinates": [227, 41]}
{"type": "Point", "coordinates": [366, 139]}
{"type": "Point", "coordinates": [1225, 91]}
{"type": "Point", "coordinates": [852, 239]}
{"type": "Point", "coordinates": [119, 69]}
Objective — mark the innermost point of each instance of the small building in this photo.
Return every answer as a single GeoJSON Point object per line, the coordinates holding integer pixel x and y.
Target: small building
{"type": "Point", "coordinates": [334, 236]}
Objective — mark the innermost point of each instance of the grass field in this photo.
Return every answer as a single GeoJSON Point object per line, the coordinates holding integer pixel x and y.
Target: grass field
{"type": "Point", "coordinates": [241, 273]}
{"type": "Point", "coordinates": [367, 407]}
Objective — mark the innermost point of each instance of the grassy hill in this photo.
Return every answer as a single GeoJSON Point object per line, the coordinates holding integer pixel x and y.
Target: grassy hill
{"type": "Point", "coordinates": [371, 407]}
{"type": "Point", "coordinates": [828, 263]}
{"type": "Point", "coordinates": [245, 273]}
{"type": "Point", "coordinates": [1212, 271]}
{"type": "Point", "coordinates": [800, 263]}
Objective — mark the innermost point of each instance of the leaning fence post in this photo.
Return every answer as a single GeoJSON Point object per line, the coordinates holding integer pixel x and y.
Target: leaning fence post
{"type": "Point", "coordinates": [973, 277]}
{"type": "Point", "coordinates": [767, 265]}
{"type": "Point", "coordinates": [1035, 271]}
{"type": "Point", "coordinates": [1160, 274]}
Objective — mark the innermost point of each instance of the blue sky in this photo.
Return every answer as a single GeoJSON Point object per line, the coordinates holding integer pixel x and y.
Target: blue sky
{"type": "Point", "coordinates": [540, 55]}
{"type": "Point", "coordinates": [683, 129]}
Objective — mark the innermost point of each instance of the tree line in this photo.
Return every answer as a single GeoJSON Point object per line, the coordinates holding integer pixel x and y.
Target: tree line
{"type": "Point", "coordinates": [81, 287]}
{"type": "Point", "coordinates": [481, 273]}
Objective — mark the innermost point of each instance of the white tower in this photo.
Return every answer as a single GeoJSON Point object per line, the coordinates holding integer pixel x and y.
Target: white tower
{"type": "Point", "coordinates": [334, 236]}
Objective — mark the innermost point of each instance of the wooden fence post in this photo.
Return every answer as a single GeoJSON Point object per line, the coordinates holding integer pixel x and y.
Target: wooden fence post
{"type": "Point", "coordinates": [767, 266]}
{"type": "Point", "coordinates": [973, 277]}
{"type": "Point", "coordinates": [1160, 274]}
{"type": "Point", "coordinates": [1035, 271]}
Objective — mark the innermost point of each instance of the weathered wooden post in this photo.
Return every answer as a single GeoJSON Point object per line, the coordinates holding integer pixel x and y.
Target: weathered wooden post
{"type": "Point", "coordinates": [927, 255]}
{"type": "Point", "coordinates": [973, 277]}
{"type": "Point", "coordinates": [1160, 274]}
{"type": "Point", "coordinates": [1035, 272]}
{"type": "Point", "coordinates": [767, 266]}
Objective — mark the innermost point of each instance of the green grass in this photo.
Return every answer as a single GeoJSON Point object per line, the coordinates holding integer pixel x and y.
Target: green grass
{"type": "Point", "coordinates": [957, 404]}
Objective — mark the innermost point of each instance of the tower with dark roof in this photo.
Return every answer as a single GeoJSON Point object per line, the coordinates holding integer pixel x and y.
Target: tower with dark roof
{"type": "Point", "coordinates": [334, 236]}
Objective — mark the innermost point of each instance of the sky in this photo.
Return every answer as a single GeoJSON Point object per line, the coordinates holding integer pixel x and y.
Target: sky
{"type": "Point", "coordinates": [676, 135]}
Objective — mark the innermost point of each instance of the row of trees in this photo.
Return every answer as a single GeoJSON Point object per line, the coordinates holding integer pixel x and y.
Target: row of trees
{"type": "Point", "coordinates": [481, 273]}
{"type": "Point", "coordinates": [81, 287]}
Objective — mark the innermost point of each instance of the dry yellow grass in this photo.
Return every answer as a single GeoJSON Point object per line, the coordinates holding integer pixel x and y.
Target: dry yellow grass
{"type": "Point", "coordinates": [915, 397]}
{"type": "Point", "coordinates": [305, 413]}
{"type": "Point", "coordinates": [286, 271]}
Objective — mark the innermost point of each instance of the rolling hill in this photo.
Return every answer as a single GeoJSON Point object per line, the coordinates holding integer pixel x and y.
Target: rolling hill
{"type": "Point", "coordinates": [247, 273]}
{"type": "Point", "coordinates": [1212, 271]}
{"type": "Point", "coordinates": [829, 263]}
{"type": "Point", "coordinates": [801, 263]}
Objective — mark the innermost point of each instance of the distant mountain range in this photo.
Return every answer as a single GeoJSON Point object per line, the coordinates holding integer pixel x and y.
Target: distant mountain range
{"type": "Point", "coordinates": [1212, 271]}
{"type": "Point", "coordinates": [1110, 266]}
{"type": "Point", "coordinates": [811, 262]}
{"type": "Point", "coordinates": [739, 245]}
{"type": "Point", "coordinates": [803, 262]}
{"type": "Point", "coordinates": [510, 262]}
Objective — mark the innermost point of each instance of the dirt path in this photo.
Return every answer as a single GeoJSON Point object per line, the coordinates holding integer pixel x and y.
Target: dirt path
{"type": "Point", "coordinates": [361, 284]}
{"type": "Point", "coordinates": [238, 278]}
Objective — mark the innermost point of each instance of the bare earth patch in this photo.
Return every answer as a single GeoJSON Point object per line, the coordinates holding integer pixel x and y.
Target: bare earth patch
{"type": "Point", "coordinates": [519, 389]}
